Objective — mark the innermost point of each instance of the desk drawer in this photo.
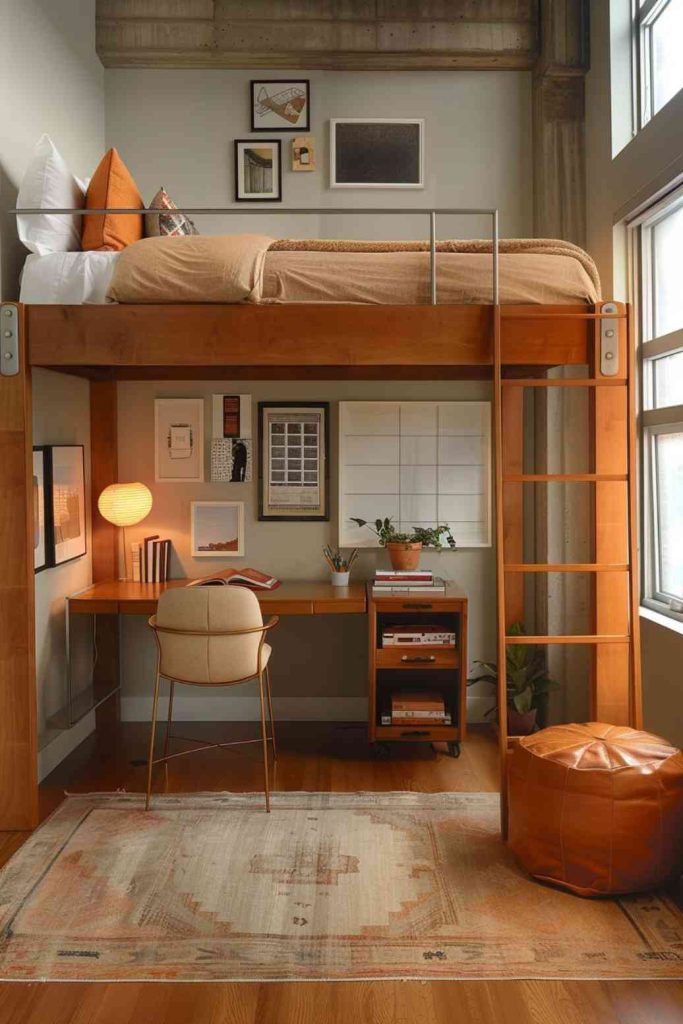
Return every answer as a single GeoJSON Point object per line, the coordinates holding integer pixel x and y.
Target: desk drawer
{"type": "Point", "coordinates": [422, 657]}
{"type": "Point", "coordinates": [417, 604]}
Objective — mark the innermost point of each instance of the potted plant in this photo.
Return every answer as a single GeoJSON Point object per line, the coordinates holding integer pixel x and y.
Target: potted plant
{"type": "Point", "coordinates": [404, 548]}
{"type": "Point", "coordinates": [528, 683]}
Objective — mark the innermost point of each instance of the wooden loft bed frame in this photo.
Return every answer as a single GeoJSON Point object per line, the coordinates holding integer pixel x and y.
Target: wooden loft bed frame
{"type": "Point", "coordinates": [512, 345]}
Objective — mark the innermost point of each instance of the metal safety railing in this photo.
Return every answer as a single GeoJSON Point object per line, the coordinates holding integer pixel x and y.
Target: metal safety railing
{"type": "Point", "coordinates": [216, 211]}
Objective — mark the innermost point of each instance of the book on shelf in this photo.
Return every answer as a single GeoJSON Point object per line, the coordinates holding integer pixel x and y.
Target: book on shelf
{"type": "Point", "coordinates": [153, 560]}
{"type": "Point", "coordinates": [254, 579]}
{"type": "Point", "coordinates": [437, 586]}
{"type": "Point", "coordinates": [417, 702]}
{"type": "Point", "coordinates": [403, 575]}
{"type": "Point", "coordinates": [135, 561]}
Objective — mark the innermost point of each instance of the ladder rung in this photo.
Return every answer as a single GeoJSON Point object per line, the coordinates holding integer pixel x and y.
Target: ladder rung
{"type": "Point", "coordinates": [586, 478]}
{"type": "Point", "coordinates": [570, 382]}
{"type": "Point", "coordinates": [607, 638]}
{"type": "Point", "coordinates": [567, 567]}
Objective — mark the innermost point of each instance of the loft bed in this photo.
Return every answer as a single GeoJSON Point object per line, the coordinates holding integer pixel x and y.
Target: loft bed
{"type": "Point", "coordinates": [513, 344]}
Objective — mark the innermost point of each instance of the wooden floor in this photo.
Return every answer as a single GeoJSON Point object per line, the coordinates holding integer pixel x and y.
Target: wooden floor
{"type": "Point", "coordinates": [314, 757]}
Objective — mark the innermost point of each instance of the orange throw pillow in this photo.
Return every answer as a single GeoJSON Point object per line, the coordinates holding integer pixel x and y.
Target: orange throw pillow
{"type": "Point", "coordinates": [112, 186]}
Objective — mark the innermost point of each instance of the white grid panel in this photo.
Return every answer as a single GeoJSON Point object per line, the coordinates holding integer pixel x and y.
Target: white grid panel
{"type": "Point", "coordinates": [420, 463]}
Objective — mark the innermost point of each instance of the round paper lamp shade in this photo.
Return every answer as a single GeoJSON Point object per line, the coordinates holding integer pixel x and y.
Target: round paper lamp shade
{"type": "Point", "coordinates": [125, 504]}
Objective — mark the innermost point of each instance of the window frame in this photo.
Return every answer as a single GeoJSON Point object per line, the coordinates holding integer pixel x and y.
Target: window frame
{"type": "Point", "coordinates": [652, 421]}
{"type": "Point", "coordinates": [644, 16]}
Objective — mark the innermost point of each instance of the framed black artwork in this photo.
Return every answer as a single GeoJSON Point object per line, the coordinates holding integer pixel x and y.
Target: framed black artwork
{"type": "Point", "coordinates": [294, 443]}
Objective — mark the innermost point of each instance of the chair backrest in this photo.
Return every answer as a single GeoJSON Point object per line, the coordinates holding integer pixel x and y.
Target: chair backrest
{"type": "Point", "coordinates": [196, 652]}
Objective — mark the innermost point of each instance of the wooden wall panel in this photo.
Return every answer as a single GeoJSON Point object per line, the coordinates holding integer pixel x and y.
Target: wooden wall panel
{"type": "Point", "coordinates": [104, 471]}
{"type": "Point", "coordinates": [18, 740]}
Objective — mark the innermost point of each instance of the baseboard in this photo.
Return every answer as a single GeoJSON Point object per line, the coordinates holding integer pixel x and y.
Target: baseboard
{"type": "Point", "coordinates": [54, 752]}
{"type": "Point", "coordinates": [285, 709]}
{"type": "Point", "coordinates": [248, 709]}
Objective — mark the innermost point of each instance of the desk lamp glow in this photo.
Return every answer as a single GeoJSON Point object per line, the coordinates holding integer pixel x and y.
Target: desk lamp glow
{"type": "Point", "coordinates": [125, 505]}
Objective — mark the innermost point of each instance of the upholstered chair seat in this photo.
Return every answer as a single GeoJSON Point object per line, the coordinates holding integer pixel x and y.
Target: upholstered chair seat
{"type": "Point", "coordinates": [211, 636]}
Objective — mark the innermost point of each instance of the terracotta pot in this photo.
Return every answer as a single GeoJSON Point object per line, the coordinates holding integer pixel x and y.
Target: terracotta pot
{"type": "Point", "coordinates": [521, 723]}
{"type": "Point", "coordinates": [404, 556]}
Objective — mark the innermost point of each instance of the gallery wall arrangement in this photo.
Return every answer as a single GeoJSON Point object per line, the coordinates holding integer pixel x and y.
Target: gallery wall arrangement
{"type": "Point", "coordinates": [364, 152]}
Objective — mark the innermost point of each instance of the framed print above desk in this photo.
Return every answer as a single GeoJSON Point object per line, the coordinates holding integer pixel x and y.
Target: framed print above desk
{"type": "Point", "coordinates": [294, 442]}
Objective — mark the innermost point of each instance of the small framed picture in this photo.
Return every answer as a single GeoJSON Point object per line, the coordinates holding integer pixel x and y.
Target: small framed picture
{"type": "Point", "coordinates": [231, 461]}
{"type": "Point", "coordinates": [303, 153]}
{"type": "Point", "coordinates": [258, 170]}
{"type": "Point", "coordinates": [294, 461]}
{"type": "Point", "coordinates": [179, 440]}
{"type": "Point", "coordinates": [281, 105]}
{"type": "Point", "coordinates": [40, 511]}
{"type": "Point", "coordinates": [217, 529]}
{"type": "Point", "coordinates": [376, 153]}
{"type": "Point", "coordinates": [65, 488]}
{"type": "Point", "coordinates": [230, 416]}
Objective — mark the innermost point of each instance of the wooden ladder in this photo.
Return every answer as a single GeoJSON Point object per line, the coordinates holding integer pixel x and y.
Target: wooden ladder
{"type": "Point", "coordinates": [615, 679]}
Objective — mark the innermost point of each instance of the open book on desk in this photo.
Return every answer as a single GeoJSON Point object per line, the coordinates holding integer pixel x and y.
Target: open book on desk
{"type": "Point", "coordinates": [251, 578]}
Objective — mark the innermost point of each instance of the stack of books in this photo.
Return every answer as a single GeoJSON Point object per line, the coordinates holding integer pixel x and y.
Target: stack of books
{"type": "Point", "coordinates": [419, 707]}
{"type": "Point", "coordinates": [411, 581]}
{"type": "Point", "coordinates": [151, 560]}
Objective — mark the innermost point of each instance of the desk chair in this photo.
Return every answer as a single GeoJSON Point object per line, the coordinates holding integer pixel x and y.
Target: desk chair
{"type": "Point", "coordinates": [210, 636]}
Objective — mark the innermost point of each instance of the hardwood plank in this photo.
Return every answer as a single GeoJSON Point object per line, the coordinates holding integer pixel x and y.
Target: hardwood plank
{"type": "Point", "coordinates": [18, 737]}
{"type": "Point", "coordinates": [360, 337]}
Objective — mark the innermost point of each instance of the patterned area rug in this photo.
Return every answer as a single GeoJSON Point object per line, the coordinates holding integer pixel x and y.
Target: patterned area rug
{"type": "Point", "coordinates": [328, 886]}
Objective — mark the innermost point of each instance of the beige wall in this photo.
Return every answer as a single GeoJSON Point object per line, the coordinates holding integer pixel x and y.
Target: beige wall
{"type": "Point", "coordinates": [319, 669]}
{"type": "Point", "coordinates": [50, 81]}
{"type": "Point", "coordinates": [616, 188]}
{"type": "Point", "coordinates": [176, 128]}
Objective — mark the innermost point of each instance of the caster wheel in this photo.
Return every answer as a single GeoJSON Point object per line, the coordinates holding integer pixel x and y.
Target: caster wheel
{"type": "Point", "coordinates": [454, 749]}
{"type": "Point", "coordinates": [381, 750]}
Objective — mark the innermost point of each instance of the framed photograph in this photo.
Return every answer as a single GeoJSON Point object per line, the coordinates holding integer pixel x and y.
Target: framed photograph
{"type": "Point", "coordinates": [230, 416]}
{"type": "Point", "coordinates": [40, 518]}
{"type": "Point", "coordinates": [179, 440]}
{"type": "Point", "coordinates": [258, 170]}
{"type": "Point", "coordinates": [303, 153]}
{"type": "Point", "coordinates": [231, 460]}
{"type": "Point", "coordinates": [217, 529]}
{"type": "Point", "coordinates": [65, 489]}
{"type": "Point", "coordinates": [376, 152]}
{"type": "Point", "coordinates": [281, 105]}
{"type": "Point", "coordinates": [294, 461]}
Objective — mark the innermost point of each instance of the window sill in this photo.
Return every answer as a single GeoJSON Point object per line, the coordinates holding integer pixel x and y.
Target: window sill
{"type": "Point", "coordinates": [661, 620]}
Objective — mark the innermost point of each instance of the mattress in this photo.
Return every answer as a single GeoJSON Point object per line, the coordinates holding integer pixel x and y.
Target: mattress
{"type": "Point", "coordinates": [259, 269]}
{"type": "Point", "coordinates": [67, 278]}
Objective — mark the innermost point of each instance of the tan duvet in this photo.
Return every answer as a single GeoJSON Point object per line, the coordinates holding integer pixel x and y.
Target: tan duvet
{"type": "Point", "coordinates": [255, 268]}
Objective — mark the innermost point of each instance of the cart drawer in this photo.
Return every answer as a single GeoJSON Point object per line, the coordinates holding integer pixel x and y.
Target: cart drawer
{"type": "Point", "coordinates": [417, 657]}
{"type": "Point", "coordinates": [418, 733]}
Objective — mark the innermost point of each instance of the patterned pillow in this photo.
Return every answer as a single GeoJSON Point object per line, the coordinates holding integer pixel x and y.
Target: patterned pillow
{"type": "Point", "coordinates": [171, 224]}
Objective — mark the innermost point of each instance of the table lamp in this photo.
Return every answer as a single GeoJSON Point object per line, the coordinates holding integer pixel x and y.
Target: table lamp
{"type": "Point", "coordinates": [125, 505]}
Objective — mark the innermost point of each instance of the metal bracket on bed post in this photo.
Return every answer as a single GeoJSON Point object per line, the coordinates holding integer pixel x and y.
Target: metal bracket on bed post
{"type": "Point", "coordinates": [9, 339]}
{"type": "Point", "coordinates": [609, 341]}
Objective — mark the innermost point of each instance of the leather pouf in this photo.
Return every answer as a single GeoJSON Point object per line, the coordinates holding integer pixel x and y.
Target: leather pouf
{"type": "Point", "coordinates": [597, 809]}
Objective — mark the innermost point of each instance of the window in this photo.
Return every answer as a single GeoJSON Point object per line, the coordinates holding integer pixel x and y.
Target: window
{"type": "Point", "coordinates": [658, 36]}
{"type": "Point", "coordinates": [657, 251]}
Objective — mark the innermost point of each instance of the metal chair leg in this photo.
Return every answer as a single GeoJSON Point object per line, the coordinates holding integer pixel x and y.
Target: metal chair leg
{"type": "Point", "coordinates": [155, 704]}
{"type": "Point", "coordinates": [264, 736]}
{"type": "Point", "coordinates": [270, 713]}
{"type": "Point", "coordinates": [168, 728]}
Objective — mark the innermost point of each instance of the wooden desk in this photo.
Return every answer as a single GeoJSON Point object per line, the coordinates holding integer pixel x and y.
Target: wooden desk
{"type": "Point", "coordinates": [123, 597]}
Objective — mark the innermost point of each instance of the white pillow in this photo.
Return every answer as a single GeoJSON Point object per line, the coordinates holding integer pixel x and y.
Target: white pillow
{"type": "Point", "coordinates": [49, 182]}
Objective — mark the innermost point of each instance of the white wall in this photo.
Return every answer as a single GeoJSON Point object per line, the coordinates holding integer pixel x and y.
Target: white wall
{"type": "Point", "coordinates": [616, 188]}
{"type": "Point", "coordinates": [176, 128]}
{"type": "Point", "coordinates": [320, 665]}
{"type": "Point", "coordinates": [50, 81]}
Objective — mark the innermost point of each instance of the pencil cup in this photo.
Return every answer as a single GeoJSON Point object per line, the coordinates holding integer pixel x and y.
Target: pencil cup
{"type": "Point", "coordinates": [340, 579]}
